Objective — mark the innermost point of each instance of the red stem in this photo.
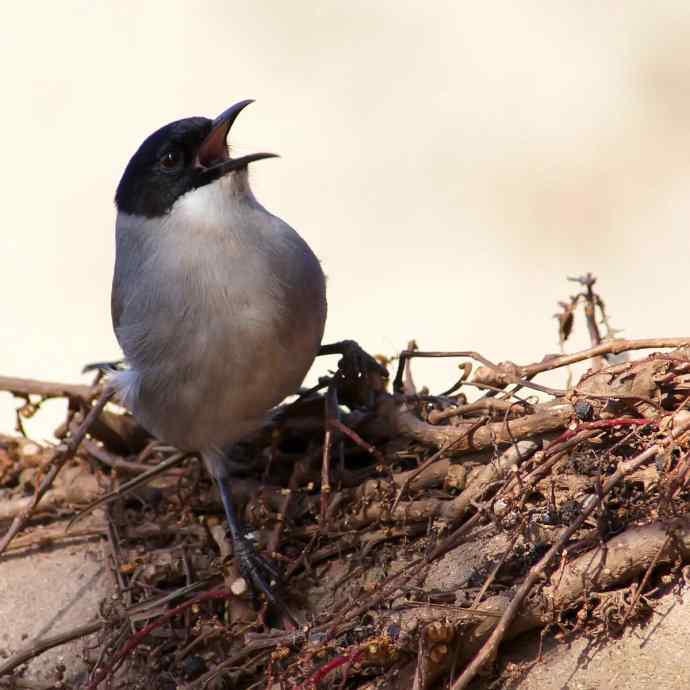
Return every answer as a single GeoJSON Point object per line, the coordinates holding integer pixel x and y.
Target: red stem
{"type": "Point", "coordinates": [139, 637]}
{"type": "Point", "coordinates": [328, 668]}
{"type": "Point", "coordinates": [601, 424]}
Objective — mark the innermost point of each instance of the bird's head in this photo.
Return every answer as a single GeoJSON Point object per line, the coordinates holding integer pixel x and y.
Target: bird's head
{"type": "Point", "coordinates": [178, 158]}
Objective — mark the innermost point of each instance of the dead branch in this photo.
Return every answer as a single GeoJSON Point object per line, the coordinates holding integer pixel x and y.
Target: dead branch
{"type": "Point", "coordinates": [37, 647]}
{"type": "Point", "coordinates": [507, 372]}
{"type": "Point", "coordinates": [491, 405]}
{"type": "Point", "coordinates": [450, 511]}
{"type": "Point", "coordinates": [46, 389]}
{"type": "Point", "coordinates": [395, 419]}
{"type": "Point", "coordinates": [129, 486]}
{"type": "Point", "coordinates": [138, 638]}
{"type": "Point", "coordinates": [64, 453]}
{"type": "Point", "coordinates": [626, 557]}
{"type": "Point", "coordinates": [488, 485]}
{"type": "Point", "coordinates": [47, 536]}
{"type": "Point", "coordinates": [681, 422]}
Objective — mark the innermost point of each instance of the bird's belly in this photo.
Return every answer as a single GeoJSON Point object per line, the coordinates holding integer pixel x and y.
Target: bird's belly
{"type": "Point", "coordinates": [216, 330]}
{"type": "Point", "coordinates": [218, 386]}
{"type": "Point", "coordinates": [205, 382]}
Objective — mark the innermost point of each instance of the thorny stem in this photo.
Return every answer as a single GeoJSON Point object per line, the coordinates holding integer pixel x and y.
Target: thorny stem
{"type": "Point", "coordinates": [592, 301]}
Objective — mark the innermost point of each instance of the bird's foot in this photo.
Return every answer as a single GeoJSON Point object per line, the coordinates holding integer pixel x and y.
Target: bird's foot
{"type": "Point", "coordinates": [355, 362]}
{"type": "Point", "coordinates": [254, 568]}
{"type": "Point", "coordinates": [259, 573]}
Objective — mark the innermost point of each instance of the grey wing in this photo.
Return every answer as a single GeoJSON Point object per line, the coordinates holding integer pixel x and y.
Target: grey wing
{"type": "Point", "coordinates": [122, 277]}
{"type": "Point", "coordinates": [116, 303]}
{"type": "Point", "coordinates": [119, 296]}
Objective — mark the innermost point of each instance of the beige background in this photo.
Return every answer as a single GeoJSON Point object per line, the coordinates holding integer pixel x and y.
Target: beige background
{"type": "Point", "coordinates": [450, 162]}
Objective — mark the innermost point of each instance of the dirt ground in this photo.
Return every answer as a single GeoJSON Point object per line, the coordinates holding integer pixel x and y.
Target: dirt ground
{"type": "Point", "coordinates": [414, 533]}
{"type": "Point", "coordinates": [47, 592]}
{"type": "Point", "coordinates": [54, 589]}
{"type": "Point", "coordinates": [649, 657]}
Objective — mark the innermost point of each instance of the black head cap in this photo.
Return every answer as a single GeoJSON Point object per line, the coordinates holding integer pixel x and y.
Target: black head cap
{"type": "Point", "coordinates": [176, 159]}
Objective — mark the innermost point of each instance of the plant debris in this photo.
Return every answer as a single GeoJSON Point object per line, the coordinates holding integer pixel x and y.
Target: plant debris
{"type": "Point", "coordinates": [415, 532]}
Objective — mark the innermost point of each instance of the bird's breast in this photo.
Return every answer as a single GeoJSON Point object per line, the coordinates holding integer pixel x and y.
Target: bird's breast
{"type": "Point", "coordinates": [219, 323]}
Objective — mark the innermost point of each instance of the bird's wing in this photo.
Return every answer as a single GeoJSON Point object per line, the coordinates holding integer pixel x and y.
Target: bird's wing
{"type": "Point", "coordinates": [116, 302]}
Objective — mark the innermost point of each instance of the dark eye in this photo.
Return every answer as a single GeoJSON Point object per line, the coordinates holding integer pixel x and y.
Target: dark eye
{"type": "Point", "coordinates": [172, 160]}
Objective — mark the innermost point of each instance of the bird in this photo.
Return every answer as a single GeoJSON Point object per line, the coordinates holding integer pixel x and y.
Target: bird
{"type": "Point", "coordinates": [218, 305]}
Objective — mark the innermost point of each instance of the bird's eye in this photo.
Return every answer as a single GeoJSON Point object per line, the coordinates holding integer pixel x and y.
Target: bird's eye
{"type": "Point", "coordinates": [171, 161]}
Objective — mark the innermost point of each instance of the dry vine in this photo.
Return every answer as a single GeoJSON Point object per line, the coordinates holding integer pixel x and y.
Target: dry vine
{"type": "Point", "coordinates": [452, 524]}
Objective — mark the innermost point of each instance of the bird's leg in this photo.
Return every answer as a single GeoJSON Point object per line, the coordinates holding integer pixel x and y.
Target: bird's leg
{"type": "Point", "coordinates": [254, 568]}
{"type": "Point", "coordinates": [355, 362]}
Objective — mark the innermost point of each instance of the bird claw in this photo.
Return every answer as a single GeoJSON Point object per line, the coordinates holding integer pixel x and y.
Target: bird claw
{"type": "Point", "coordinates": [356, 363]}
{"type": "Point", "coordinates": [259, 573]}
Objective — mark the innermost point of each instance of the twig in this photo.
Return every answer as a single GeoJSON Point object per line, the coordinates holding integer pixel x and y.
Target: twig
{"type": "Point", "coordinates": [139, 637]}
{"type": "Point", "coordinates": [46, 537]}
{"type": "Point", "coordinates": [330, 413]}
{"type": "Point", "coordinates": [436, 456]}
{"type": "Point", "coordinates": [488, 650]}
{"type": "Point", "coordinates": [406, 354]}
{"type": "Point", "coordinates": [274, 539]}
{"type": "Point", "coordinates": [466, 368]}
{"type": "Point", "coordinates": [115, 562]}
{"type": "Point", "coordinates": [610, 347]}
{"type": "Point", "coordinates": [63, 453]}
{"type": "Point", "coordinates": [645, 578]}
{"type": "Point", "coordinates": [483, 405]}
{"type": "Point", "coordinates": [552, 454]}
{"type": "Point", "coordinates": [492, 576]}
{"type": "Point", "coordinates": [132, 484]}
{"type": "Point", "coordinates": [45, 389]}
{"type": "Point", "coordinates": [39, 646]}
{"type": "Point", "coordinates": [336, 424]}
{"type": "Point", "coordinates": [112, 460]}
{"type": "Point", "coordinates": [224, 665]}
{"type": "Point", "coordinates": [328, 668]}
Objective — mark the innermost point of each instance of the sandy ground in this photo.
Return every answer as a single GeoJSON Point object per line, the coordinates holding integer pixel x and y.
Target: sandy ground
{"type": "Point", "coordinates": [650, 657]}
{"type": "Point", "coordinates": [52, 590]}
{"type": "Point", "coordinates": [49, 592]}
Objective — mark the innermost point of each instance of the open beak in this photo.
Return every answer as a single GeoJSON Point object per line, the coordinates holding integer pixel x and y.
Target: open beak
{"type": "Point", "coordinates": [213, 157]}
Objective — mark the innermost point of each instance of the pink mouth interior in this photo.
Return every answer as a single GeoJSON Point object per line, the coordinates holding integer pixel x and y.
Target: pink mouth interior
{"type": "Point", "coordinates": [214, 149]}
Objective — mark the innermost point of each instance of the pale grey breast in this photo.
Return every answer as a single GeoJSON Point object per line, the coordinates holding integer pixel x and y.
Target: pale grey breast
{"type": "Point", "coordinates": [220, 311]}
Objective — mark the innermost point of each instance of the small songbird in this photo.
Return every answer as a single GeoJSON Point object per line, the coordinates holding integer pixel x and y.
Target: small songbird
{"type": "Point", "coordinates": [218, 305]}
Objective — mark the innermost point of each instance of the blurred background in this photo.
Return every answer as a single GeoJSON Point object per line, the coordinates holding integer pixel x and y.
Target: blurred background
{"type": "Point", "coordinates": [450, 162]}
